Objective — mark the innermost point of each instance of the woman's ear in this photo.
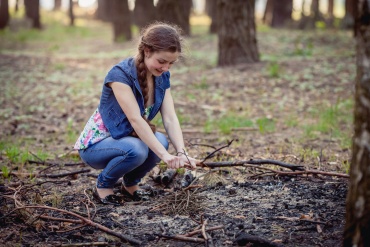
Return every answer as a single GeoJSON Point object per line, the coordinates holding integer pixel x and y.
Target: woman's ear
{"type": "Point", "coordinates": [146, 52]}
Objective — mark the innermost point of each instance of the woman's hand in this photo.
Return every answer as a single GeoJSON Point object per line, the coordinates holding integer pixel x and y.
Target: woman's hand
{"type": "Point", "coordinates": [175, 162]}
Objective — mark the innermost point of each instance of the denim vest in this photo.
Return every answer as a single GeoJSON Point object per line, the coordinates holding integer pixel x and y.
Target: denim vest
{"type": "Point", "coordinates": [111, 112]}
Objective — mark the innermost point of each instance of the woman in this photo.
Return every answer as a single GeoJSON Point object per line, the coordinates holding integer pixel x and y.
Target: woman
{"type": "Point", "coordinates": [118, 137]}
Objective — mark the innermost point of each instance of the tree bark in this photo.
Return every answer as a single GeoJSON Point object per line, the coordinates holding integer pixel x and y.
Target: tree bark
{"type": "Point", "coordinates": [281, 13]}
{"type": "Point", "coordinates": [211, 9]}
{"type": "Point", "coordinates": [71, 13]}
{"type": "Point", "coordinates": [175, 12]}
{"type": "Point", "coordinates": [57, 5]}
{"type": "Point", "coordinates": [33, 12]}
{"type": "Point", "coordinates": [103, 10]}
{"type": "Point", "coordinates": [237, 41]}
{"type": "Point", "coordinates": [330, 20]}
{"type": "Point", "coordinates": [144, 13]}
{"type": "Point", "coordinates": [348, 19]}
{"type": "Point", "coordinates": [121, 20]}
{"type": "Point", "coordinates": [357, 227]}
{"type": "Point", "coordinates": [267, 14]}
{"type": "Point", "coordinates": [4, 13]}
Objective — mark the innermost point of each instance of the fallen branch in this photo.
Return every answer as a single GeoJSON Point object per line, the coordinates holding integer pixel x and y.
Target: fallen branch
{"type": "Point", "coordinates": [37, 175]}
{"type": "Point", "coordinates": [87, 222]}
{"type": "Point", "coordinates": [253, 162]}
{"type": "Point", "coordinates": [182, 238]}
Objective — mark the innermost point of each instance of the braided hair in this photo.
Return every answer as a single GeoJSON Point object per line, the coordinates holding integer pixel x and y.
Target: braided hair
{"type": "Point", "coordinates": [156, 37]}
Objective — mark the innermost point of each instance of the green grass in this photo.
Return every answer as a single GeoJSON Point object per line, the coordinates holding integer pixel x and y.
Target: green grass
{"type": "Point", "coordinates": [226, 123]}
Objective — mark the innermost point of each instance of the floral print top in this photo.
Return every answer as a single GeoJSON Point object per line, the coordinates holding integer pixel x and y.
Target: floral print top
{"type": "Point", "coordinates": [96, 131]}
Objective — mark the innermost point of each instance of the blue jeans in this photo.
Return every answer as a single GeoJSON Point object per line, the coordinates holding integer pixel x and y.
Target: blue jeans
{"type": "Point", "coordinates": [128, 157]}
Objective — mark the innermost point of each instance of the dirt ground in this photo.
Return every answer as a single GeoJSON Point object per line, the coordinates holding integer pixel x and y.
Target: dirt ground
{"type": "Point", "coordinates": [47, 96]}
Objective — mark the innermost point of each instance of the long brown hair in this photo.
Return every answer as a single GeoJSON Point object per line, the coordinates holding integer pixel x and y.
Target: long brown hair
{"type": "Point", "coordinates": [156, 37]}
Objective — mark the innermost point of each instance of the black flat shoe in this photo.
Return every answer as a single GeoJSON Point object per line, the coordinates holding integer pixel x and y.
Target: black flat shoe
{"type": "Point", "coordinates": [138, 195]}
{"type": "Point", "coordinates": [109, 199]}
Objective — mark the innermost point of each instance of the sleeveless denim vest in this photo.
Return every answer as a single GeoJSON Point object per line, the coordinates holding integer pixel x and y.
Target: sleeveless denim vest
{"type": "Point", "coordinates": [113, 117]}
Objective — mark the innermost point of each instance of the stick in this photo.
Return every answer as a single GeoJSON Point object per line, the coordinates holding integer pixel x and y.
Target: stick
{"type": "Point", "coordinates": [88, 222]}
{"type": "Point", "coordinates": [180, 237]}
{"type": "Point", "coordinates": [253, 162]}
{"type": "Point", "coordinates": [37, 175]}
{"type": "Point", "coordinates": [207, 229]}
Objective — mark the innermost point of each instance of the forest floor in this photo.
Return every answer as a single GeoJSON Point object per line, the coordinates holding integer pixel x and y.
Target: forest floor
{"type": "Point", "coordinates": [294, 106]}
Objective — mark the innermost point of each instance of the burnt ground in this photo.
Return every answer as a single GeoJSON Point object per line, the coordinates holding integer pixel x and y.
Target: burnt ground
{"type": "Point", "coordinates": [272, 109]}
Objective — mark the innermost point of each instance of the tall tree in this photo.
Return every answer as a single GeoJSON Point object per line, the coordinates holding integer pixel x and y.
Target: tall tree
{"type": "Point", "coordinates": [71, 13]}
{"type": "Point", "coordinates": [33, 12]}
{"type": "Point", "coordinates": [57, 5]}
{"type": "Point", "coordinates": [357, 227]}
{"type": "Point", "coordinates": [237, 41]}
{"type": "Point", "coordinates": [211, 9]}
{"type": "Point", "coordinates": [282, 13]}
{"type": "Point", "coordinates": [144, 13]}
{"type": "Point", "coordinates": [330, 17]}
{"type": "Point", "coordinates": [103, 10]}
{"type": "Point", "coordinates": [4, 13]}
{"type": "Point", "coordinates": [121, 20]}
{"type": "Point", "coordinates": [175, 12]}
{"type": "Point", "coordinates": [348, 19]}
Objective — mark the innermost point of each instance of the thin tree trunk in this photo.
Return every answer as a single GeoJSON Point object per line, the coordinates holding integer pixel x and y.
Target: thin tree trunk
{"type": "Point", "coordinates": [71, 14]}
{"type": "Point", "coordinates": [348, 19]}
{"type": "Point", "coordinates": [4, 13]}
{"type": "Point", "coordinates": [267, 15]}
{"type": "Point", "coordinates": [211, 9]}
{"type": "Point", "coordinates": [330, 21]}
{"type": "Point", "coordinates": [237, 33]}
{"type": "Point", "coordinates": [357, 227]}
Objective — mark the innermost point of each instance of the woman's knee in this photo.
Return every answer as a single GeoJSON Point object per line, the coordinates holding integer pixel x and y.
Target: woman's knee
{"type": "Point", "coordinates": [138, 151]}
{"type": "Point", "coordinates": [162, 139]}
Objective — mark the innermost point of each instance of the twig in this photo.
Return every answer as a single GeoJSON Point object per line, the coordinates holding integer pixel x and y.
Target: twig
{"type": "Point", "coordinates": [207, 229]}
{"type": "Point", "coordinates": [182, 238]}
{"type": "Point", "coordinates": [86, 244]}
{"type": "Point", "coordinates": [215, 151]}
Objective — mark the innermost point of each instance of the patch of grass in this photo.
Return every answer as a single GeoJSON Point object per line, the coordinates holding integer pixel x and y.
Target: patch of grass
{"type": "Point", "coordinates": [13, 153]}
{"type": "Point", "coordinates": [71, 133]}
{"type": "Point", "coordinates": [265, 125]}
{"type": "Point", "coordinates": [226, 123]}
{"type": "Point", "coordinates": [202, 85]}
{"type": "Point", "coordinates": [274, 70]}
{"type": "Point", "coordinates": [6, 171]}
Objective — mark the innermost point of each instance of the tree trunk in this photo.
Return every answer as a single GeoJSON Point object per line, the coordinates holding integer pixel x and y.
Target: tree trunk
{"type": "Point", "coordinates": [330, 20]}
{"type": "Point", "coordinates": [357, 227]}
{"type": "Point", "coordinates": [4, 13]}
{"type": "Point", "coordinates": [237, 33]}
{"type": "Point", "coordinates": [71, 14]}
{"type": "Point", "coordinates": [144, 13]}
{"type": "Point", "coordinates": [33, 12]}
{"type": "Point", "coordinates": [121, 20]}
{"type": "Point", "coordinates": [267, 15]}
{"type": "Point", "coordinates": [175, 12]}
{"type": "Point", "coordinates": [103, 10]}
{"type": "Point", "coordinates": [211, 9]}
{"type": "Point", "coordinates": [348, 19]}
{"type": "Point", "coordinates": [281, 13]}
{"type": "Point", "coordinates": [16, 8]}
{"type": "Point", "coordinates": [57, 5]}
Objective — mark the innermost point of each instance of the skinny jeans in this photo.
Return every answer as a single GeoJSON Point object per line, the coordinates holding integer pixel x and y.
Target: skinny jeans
{"type": "Point", "coordinates": [128, 157]}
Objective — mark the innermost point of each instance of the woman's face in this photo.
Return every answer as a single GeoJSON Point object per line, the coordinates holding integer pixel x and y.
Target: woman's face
{"type": "Point", "coordinates": [158, 62]}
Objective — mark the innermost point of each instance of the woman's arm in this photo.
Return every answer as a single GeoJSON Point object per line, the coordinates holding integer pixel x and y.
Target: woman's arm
{"type": "Point", "coordinates": [172, 126]}
{"type": "Point", "coordinates": [130, 107]}
{"type": "Point", "coordinates": [171, 122]}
